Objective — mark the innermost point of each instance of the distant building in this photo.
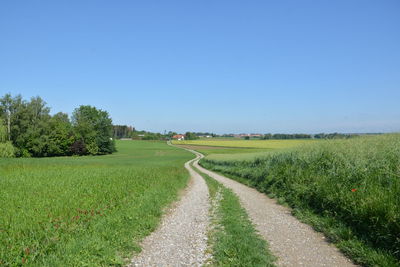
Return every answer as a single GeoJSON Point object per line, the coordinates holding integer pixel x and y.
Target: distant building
{"type": "Point", "coordinates": [178, 137]}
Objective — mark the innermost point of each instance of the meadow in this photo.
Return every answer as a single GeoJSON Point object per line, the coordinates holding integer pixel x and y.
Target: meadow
{"type": "Point", "coordinates": [240, 143]}
{"type": "Point", "coordinates": [239, 149]}
{"type": "Point", "coordinates": [348, 189]}
{"type": "Point", "coordinates": [88, 210]}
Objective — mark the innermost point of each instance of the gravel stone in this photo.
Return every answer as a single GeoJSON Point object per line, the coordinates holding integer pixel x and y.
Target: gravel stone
{"type": "Point", "coordinates": [293, 242]}
{"type": "Point", "coordinates": [181, 239]}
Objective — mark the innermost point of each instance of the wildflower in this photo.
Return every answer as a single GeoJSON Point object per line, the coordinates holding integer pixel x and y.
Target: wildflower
{"type": "Point", "coordinates": [353, 190]}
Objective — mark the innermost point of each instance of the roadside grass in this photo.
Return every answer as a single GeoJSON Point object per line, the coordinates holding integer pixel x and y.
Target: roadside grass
{"type": "Point", "coordinates": [234, 240]}
{"type": "Point", "coordinates": [347, 189]}
{"type": "Point", "coordinates": [86, 211]}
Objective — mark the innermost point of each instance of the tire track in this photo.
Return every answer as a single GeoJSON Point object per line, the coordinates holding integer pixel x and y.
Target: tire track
{"type": "Point", "coordinates": [293, 242]}
{"type": "Point", "coordinates": [181, 239]}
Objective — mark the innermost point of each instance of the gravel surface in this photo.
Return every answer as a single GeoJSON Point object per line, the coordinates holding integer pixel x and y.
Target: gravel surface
{"type": "Point", "coordinates": [181, 239]}
{"type": "Point", "coordinates": [293, 242]}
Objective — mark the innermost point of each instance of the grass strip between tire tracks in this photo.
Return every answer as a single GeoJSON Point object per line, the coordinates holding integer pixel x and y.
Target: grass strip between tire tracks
{"type": "Point", "coordinates": [234, 240]}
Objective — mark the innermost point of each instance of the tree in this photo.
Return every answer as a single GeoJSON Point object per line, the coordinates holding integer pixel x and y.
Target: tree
{"type": "Point", "coordinates": [93, 128]}
{"type": "Point", "coordinates": [122, 131]}
{"type": "Point", "coordinates": [60, 136]}
{"type": "Point", "coordinates": [6, 104]}
{"type": "Point", "coordinates": [7, 150]}
{"type": "Point", "coordinates": [191, 136]}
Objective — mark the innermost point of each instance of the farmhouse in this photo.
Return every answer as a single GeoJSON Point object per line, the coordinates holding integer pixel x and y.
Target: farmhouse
{"type": "Point", "coordinates": [178, 137]}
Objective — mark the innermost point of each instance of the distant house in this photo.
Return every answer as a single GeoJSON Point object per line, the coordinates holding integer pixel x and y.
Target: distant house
{"type": "Point", "coordinates": [178, 137]}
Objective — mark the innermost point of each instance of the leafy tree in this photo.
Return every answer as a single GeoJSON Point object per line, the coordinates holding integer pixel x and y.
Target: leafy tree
{"type": "Point", "coordinates": [122, 131]}
{"type": "Point", "coordinates": [93, 128]}
{"type": "Point", "coordinates": [60, 135]}
{"type": "Point", "coordinates": [191, 136]}
{"type": "Point", "coordinates": [170, 134]}
{"type": "Point", "coordinates": [7, 150]}
{"type": "Point", "coordinates": [26, 122]}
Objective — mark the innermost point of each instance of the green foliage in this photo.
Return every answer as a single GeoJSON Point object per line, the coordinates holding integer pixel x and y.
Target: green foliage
{"type": "Point", "coordinates": [94, 127]}
{"type": "Point", "coordinates": [86, 211]}
{"type": "Point", "coordinates": [3, 133]}
{"type": "Point", "coordinates": [354, 182]}
{"type": "Point", "coordinates": [333, 136]}
{"type": "Point", "coordinates": [60, 135]}
{"type": "Point", "coordinates": [191, 136]}
{"type": "Point", "coordinates": [34, 132]}
{"type": "Point", "coordinates": [286, 136]}
{"type": "Point", "coordinates": [122, 131]}
{"type": "Point", "coordinates": [7, 150]}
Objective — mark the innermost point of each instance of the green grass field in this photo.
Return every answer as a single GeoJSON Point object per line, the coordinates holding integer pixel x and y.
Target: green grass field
{"type": "Point", "coordinates": [86, 211]}
{"type": "Point", "coordinates": [239, 149]}
{"type": "Point", "coordinates": [348, 189]}
{"type": "Point", "coordinates": [265, 144]}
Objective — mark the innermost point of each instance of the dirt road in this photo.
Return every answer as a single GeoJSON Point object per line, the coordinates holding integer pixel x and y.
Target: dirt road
{"type": "Point", "coordinates": [293, 242]}
{"type": "Point", "coordinates": [181, 239]}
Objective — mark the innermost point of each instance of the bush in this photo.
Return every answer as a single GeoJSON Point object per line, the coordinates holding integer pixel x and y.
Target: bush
{"type": "Point", "coordinates": [7, 150]}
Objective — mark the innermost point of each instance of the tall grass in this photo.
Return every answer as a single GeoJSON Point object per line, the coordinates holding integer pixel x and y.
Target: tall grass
{"type": "Point", "coordinates": [86, 211]}
{"type": "Point", "coordinates": [352, 186]}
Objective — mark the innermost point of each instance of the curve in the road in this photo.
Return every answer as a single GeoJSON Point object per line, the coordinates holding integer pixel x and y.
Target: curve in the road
{"type": "Point", "coordinates": [293, 242]}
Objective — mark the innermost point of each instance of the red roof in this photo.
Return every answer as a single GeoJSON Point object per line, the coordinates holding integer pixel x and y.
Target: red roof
{"type": "Point", "coordinates": [178, 136]}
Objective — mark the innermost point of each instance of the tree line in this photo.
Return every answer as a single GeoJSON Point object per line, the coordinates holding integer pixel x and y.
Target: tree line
{"type": "Point", "coordinates": [286, 136]}
{"type": "Point", "coordinates": [124, 131]}
{"type": "Point", "coordinates": [27, 129]}
{"type": "Point", "coordinates": [307, 136]}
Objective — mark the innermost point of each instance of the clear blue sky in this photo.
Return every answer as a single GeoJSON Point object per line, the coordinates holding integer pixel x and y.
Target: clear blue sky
{"type": "Point", "coordinates": [221, 66]}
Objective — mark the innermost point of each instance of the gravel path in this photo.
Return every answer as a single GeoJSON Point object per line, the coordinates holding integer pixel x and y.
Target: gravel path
{"type": "Point", "coordinates": [293, 242]}
{"type": "Point", "coordinates": [181, 239]}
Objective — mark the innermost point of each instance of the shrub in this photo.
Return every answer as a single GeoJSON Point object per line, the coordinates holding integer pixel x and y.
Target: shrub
{"type": "Point", "coordinates": [7, 150]}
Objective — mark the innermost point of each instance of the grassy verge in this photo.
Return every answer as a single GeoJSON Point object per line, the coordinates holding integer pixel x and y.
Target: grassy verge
{"type": "Point", "coordinates": [348, 189]}
{"type": "Point", "coordinates": [86, 211]}
{"type": "Point", "coordinates": [234, 240]}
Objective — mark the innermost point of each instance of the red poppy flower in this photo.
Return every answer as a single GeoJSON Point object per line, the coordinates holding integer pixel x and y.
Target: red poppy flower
{"type": "Point", "coordinates": [353, 190]}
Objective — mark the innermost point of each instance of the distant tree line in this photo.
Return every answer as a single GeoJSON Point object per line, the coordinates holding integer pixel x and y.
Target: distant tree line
{"type": "Point", "coordinates": [123, 131]}
{"type": "Point", "coordinates": [27, 129]}
{"type": "Point", "coordinates": [307, 136]}
{"type": "Point", "coordinates": [191, 136]}
{"type": "Point", "coordinates": [286, 136]}
{"type": "Point", "coordinates": [333, 136]}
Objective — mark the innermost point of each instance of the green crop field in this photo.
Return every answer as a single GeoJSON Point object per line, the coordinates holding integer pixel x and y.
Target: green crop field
{"type": "Point", "coordinates": [86, 211]}
{"type": "Point", "coordinates": [239, 149]}
{"type": "Point", "coordinates": [265, 144]}
{"type": "Point", "coordinates": [348, 189]}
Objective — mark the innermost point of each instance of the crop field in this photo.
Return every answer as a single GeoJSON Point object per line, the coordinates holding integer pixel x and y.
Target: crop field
{"type": "Point", "coordinates": [239, 149]}
{"type": "Point", "coordinates": [86, 211]}
{"type": "Point", "coordinates": [265, 144]}
{"type": "Point", "coordinates": [348, 189]}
